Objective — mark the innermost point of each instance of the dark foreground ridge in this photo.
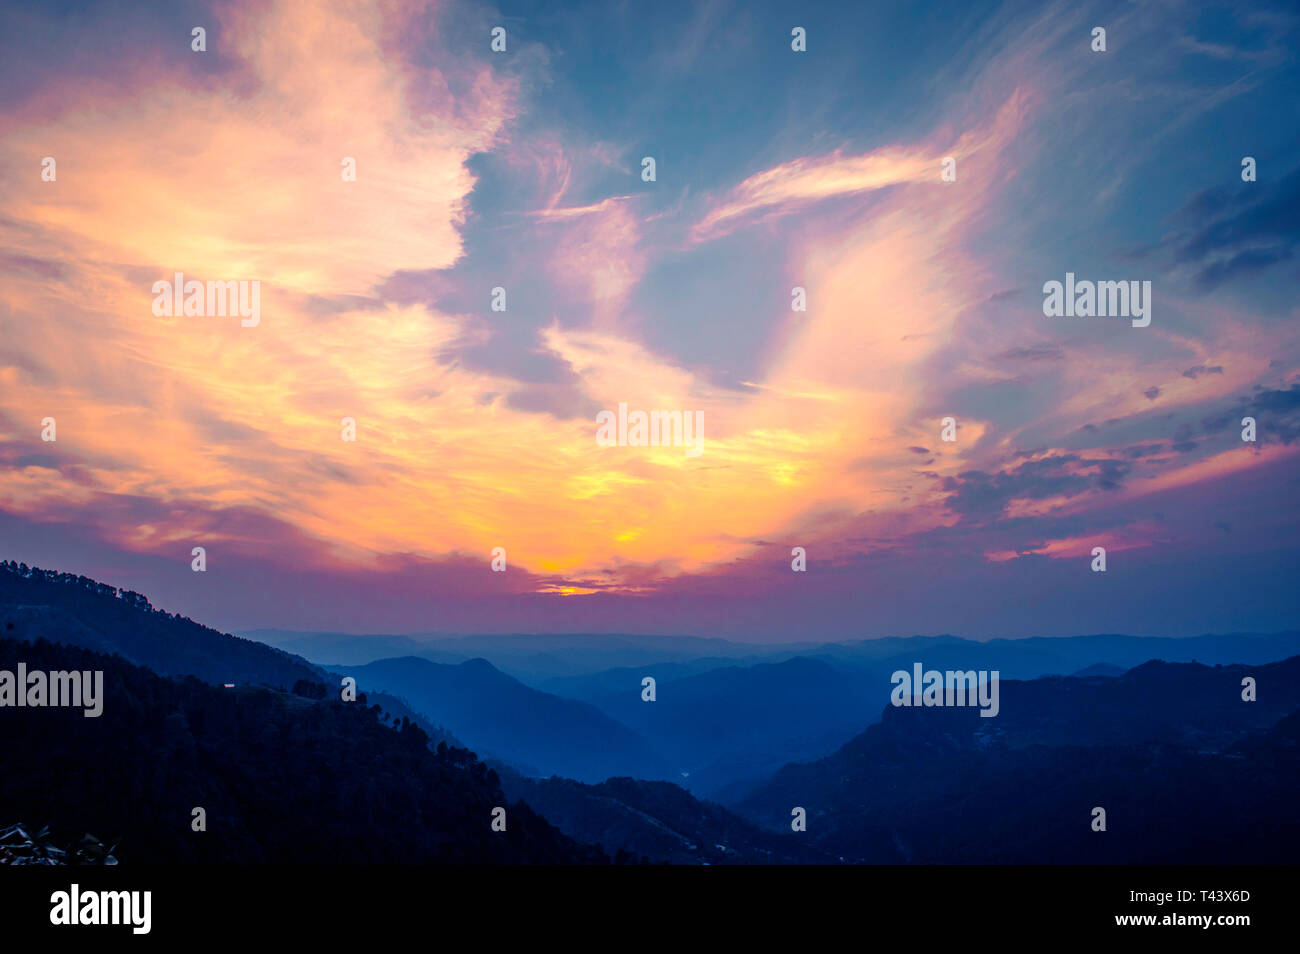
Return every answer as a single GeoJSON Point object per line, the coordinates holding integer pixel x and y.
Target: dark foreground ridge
{"type": "Point", "coordinates": [1187, 772]}
{"type": "Point", "coordinates": [635, 820]}
{"type": "Point", "coordinates": [282, 777]}
{"type": "Point", "coordinates": [79, 611]}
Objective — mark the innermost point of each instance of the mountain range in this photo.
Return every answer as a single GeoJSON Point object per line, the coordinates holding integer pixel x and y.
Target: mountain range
{"type": "Point", "coordinates": [588, 771]}
{"type": "Point", "coordinates": [506, 720]}
{"type": "Point", "coordinates": [1184, 767]}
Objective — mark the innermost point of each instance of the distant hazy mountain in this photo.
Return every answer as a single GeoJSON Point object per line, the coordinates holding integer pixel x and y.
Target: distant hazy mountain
{"type": "Point", "coordinates": [1038, 655]}
{"type": "Point", "coordinates": [727, 715]}
{"type": "Point", "coordinates": [742, 722]}
{"type": "Point", "coordinates": [1100, 669]}
{"type": "Point", "coordinates": [612, 684]}
{"type": "Point", "coordinates": [393, 710]}
{"type": "Point", "coordinates": [533, 659]}
{"type": "Point", "coordinates": [346, 649]}
{"type": "Point", "coordinates": [760, 716]}
{"type": "Point", "coordinates": [575, 665]}
{"type": "Point", "coordinates": [499, 716]}
{"type": "Point", "coordinates": [1186, 770]}
{"type": "Point", "coordinates": [79, 611]}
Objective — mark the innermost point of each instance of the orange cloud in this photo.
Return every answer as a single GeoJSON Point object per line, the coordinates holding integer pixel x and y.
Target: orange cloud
{"type": "Point", "coordinates": [229, 184]}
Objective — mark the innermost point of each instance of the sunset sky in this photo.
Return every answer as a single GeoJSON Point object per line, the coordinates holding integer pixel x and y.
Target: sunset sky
{"type": "Point", "coordinates": [523, 170]}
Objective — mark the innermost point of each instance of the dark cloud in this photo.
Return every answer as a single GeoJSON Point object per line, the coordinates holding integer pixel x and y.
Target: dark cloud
{"type": "Point", "coordinates": [1277, 400]}
{"type": "Point", "coordinates": [1243, 263]}
{"type": "Point", "coordinates": [1037, 353]}
{"type": "Point", "coordinates": [1201, 369]}
{"type": "Point", "coordinates": [107, 46]}
{"type": "Point", "coordinates": [26, 363]}
{"type": "Point", "coordinates": [48, 461]}
{"type": "Point", "coordinates": [1276, 412]}
{"type": "Point", "coordinates": [1136, 253]}
{"type": "Point", "coordinates": [42, 268]}
{"type": "Point", "coordinates": [15, 454]}
{"type": "Point", "coordinates": [510, 356]}
{"type": "Point", "coordinates": [1251, 229]}
{"type": "Point", "coordinates": [561, 401]}
{"type": "Point", "coordinates": [323, 306]}
{"type": "Point", "coordinates": [1139, 451]}
{"type": "Point", "coordinates": [415, 287]}
{"type": "Point", "coordinates": [982, 495]}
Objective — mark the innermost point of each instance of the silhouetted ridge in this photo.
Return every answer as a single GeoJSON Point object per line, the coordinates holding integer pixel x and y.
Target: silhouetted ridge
{"type": "Point", "coordinates": [283, 778]}
{"type": "Point", "coordinates": [634, 820]}
{"type": "Point", "coordinates": [79, 611]}
{"type": "Point", "coordinates": [1187, 771]}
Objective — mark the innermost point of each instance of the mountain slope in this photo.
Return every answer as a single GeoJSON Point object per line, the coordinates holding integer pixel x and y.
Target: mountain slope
{"type": "Point", "coordinates": [742, 722]}
{"type": "Point", "coordinates": [79, 611]}
{"type": "Point", "coordinates": [1187, 771]}
{"type": "Point", "coordinates": [634, 820]}
{"type": "Point", "coordinates": [501, 717]}
{"type": "Point", "coordinates": [283, 778]}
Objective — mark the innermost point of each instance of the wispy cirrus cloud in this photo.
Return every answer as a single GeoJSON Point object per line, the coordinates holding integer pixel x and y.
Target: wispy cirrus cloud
{"type": "Point", "coordinates": [476, 426]}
